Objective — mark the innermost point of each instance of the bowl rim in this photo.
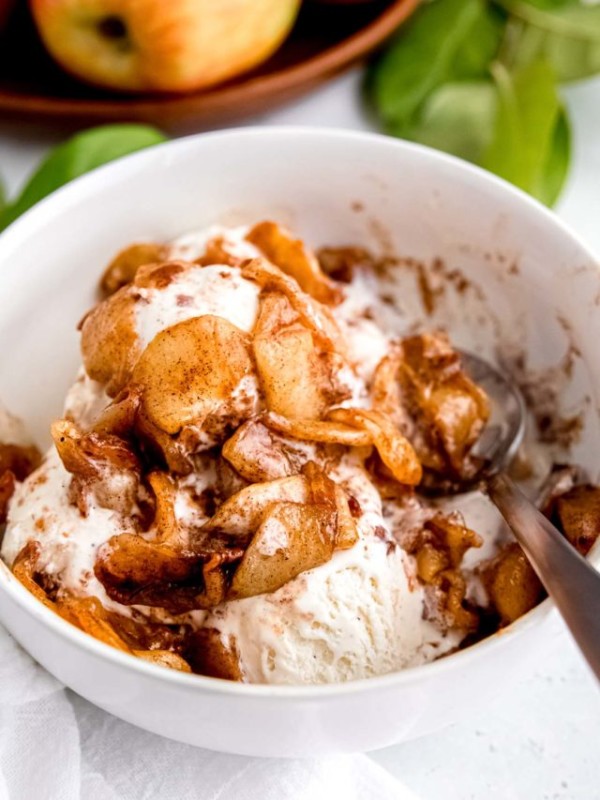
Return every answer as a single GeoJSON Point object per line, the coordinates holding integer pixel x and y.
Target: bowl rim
{"type": "Point", "coordinates": [84, 186]}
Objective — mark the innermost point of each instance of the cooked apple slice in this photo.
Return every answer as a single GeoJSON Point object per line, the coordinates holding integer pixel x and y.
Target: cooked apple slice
{"type": "Point", "coordinates": [165, 518]}
{"type": "Point", "coordinates": [89, 615]}
{"type": "Point", "coordinates": [314, 316]}
{"type": "Point", "coordinates": [346, 534]}
{"type": "Point", "coordinates": [122, 269]}
{"type": "Point", "coordinates": [20, 459]}
{"type": "Point", "coordinates": [210, 654]}
{"type": "Point", "coordinates": [164, 658]}
{"type": "Point", "coordinates": [450, 410]}
{"type": "Point", "coordinates": [24, 569]}
{"type": "Point", "coordinates": [577, 513]}
{"type": "Point", "coordinates": [241, 515]}
{"type": "Point", "coordinates": [293, 258]}
{"type": "Point", "coordinates": [291, 378]}
{"type": "Point", "coordinates": [136, 571]}
{"type": "Point", "coordinates": [291, 539]}
{"type": "Point", "coordinates": [313, 430]}
{"type": "Point", "coordinates": [297, 377]}
{"type": "Point", "coordinates": [254, 453]}
{"type": "Point", "coordinates": [395, 450]}
{"type": "Point", "coordinates": [7, 488]}
{"type": "Point", "coordinates": [94, 460]}
{"type": "Point", "coordinates": [109, 342]}
{"type": "Point", "coordinates": [189, 372]}
{"type": "Point", "coordinates": [512, 584]}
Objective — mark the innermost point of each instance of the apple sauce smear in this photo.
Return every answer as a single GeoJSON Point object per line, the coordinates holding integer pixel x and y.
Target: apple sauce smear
{"type": "Point", "coordinates": [234, 488]}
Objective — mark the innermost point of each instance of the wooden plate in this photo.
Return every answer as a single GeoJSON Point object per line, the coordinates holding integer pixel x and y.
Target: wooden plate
{"type": "Point", "coordinates": [326, 39]}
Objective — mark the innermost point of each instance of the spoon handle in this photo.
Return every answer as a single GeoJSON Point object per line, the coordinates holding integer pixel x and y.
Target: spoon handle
{"type": "Point", "coordinates": [569, 579]}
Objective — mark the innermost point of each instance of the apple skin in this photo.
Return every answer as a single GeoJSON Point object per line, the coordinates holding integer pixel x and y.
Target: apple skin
{"type": "Point", "coordinates": [161, 45]}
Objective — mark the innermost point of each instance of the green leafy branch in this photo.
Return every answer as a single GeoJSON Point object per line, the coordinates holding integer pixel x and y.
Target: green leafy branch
{"type": "Point", "coordinates": [80, 154]}
{"type": "Point", "coordinates": [480, 79]}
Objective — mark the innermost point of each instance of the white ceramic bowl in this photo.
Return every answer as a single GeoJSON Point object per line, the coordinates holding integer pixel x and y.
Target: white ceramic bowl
{"type": "Point", "coordinates": [531, 282]}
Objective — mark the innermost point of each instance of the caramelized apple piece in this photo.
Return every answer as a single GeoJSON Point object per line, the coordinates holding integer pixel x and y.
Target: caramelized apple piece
{"type": "Point", "coordinates": [454, 589]}
{"type": "Point", "coordinates": [439, 551]}
{"type": "Point", "coordinates": [189, 372]}
{"type": "Point", "coordinates": [94, 460]}
{"type": "Point", "coordinates": [7, 488]}
{"type": "Point", "coordinates": [395, 450]}
{"type": "Point", "coordinates": [254, 453]}
{"type": "Point", "coordinates": [165, 518]}
{"type": "Point", "coordinates": [20, 459]}
{"type": "Point", "coordinates": [313, 430]}
{"type": "Point", "coordinates": [241, 515]}
{"type": "Point", "coordinates": [228, 480]}
{"type": "Point", "coordinates": [451, 535]}
{"type": "Point", "coordinates": [346, 534]}
{"type": "Point", "coordinates": [453, 410]}
{"type": "Point", "coordinates": [210, 655]}
{"type": "Point", "coordinates": [314, 316]}
{"type": "Point", "coordinates": [16, 463]}
{"type": "Point", "coordinates": [512, 584]}
{"type": "Point", "coordinates": [293, 258]}
{"type": "Point", "coordinates": [298, 379]}
{"type": "Point", "coordinates": [24, 569]}
{"type": "Point", "coordinates": [136, 571]}
{"type": "Point", "coordinates": [167, 449]}
{"type": "Point", "coordinates": [577, 513]}
{"type": "Point", "coordinates": [291, 539]}
{"type": "Point", "coordinates": [119, 417]}
{"type": "Point", "coordinates": [125, 264]}
{"type": "Point", "coordinates": [423, 388]}
{"type": "Point", "coordinates": [109, 342]}
{"type": "Point", "coordinates": [89, 615]}
{"type": "Point", "coordinates": [164, 658]}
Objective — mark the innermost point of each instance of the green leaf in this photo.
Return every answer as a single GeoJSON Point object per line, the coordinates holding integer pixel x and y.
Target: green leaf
{"type": "Point", "coordinates": [82, 153]}
{"type": "Point", "coordinates": [555, 174]}
{"type": "Point", "coordinates": [531, 143]}
{"type": "Point", "coordinates": [458, 118]}
{"type": "Point", "coordinates": [565, 35]}
{"type": "Point", "coordinates": [447, 40]}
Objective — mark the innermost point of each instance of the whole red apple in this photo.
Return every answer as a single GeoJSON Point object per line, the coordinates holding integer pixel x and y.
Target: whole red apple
{"type": "Point", "coordinates": [161, 45]}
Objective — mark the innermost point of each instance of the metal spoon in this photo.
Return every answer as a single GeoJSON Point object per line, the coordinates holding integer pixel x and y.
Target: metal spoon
{"type": "Point", "coordinates": [569, 579]}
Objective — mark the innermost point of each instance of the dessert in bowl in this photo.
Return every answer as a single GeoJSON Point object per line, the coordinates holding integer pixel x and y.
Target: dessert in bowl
{"type": "Point", "coordinates": [236, 484]}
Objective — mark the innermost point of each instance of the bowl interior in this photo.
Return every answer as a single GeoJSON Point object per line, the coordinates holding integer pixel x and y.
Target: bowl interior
{"type": "Point", "coordinates": [472, 254]}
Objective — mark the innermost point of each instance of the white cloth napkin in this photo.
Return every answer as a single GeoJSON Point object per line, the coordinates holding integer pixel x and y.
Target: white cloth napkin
{"type": "Point", "coordinates": [56, 746]}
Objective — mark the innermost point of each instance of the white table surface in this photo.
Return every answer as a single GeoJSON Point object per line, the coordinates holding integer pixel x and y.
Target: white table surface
{"type": "Point", "coordinates": [541, 740]}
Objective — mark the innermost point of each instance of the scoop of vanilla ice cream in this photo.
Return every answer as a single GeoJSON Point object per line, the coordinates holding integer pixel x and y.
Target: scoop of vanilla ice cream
{"type": "Point", "coordinates": [360, 614]}
{"type": "Point", "coordinates": [217, 290]}
{"type": "Point", "coordinates": [357, 616]}
{"type": "Point", "coordinates": [40, 510]}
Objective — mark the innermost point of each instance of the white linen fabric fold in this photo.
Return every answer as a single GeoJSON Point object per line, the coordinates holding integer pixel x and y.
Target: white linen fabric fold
{"type": "Point", "coordinates": [56, 746]}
